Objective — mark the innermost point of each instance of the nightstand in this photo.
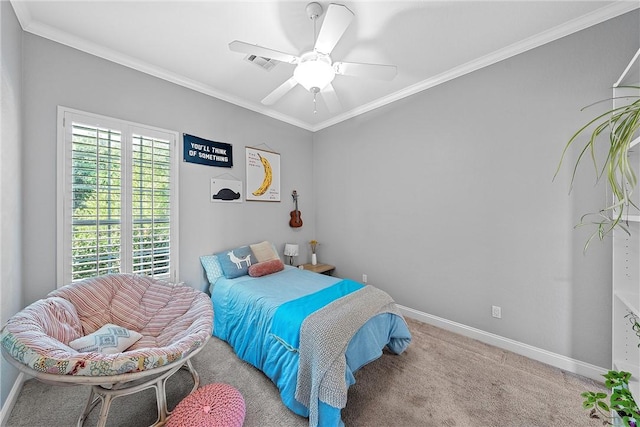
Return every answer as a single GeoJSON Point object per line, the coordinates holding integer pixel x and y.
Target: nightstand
{"type": "Point", "coordinates": [319, 268]}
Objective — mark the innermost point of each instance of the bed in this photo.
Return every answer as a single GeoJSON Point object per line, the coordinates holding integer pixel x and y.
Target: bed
{"type": "Point", "coordinates": [308, 332]}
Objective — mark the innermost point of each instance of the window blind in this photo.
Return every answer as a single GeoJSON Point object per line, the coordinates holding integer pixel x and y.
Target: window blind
{"type": "Point", "coordinates": [96, 199]}
{"type": "Point", "coordinates": [119, 199]}
{"type": "Point", "coordinates": [151, 208]}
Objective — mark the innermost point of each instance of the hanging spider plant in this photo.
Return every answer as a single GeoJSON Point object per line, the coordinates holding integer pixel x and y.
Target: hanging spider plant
{"type": "Point", "coordinates": [621, 124]}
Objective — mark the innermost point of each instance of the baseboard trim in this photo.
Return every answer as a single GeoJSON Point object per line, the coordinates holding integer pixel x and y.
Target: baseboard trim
{"type": "Point", "coordinates": [556, 360]}
{"type": "Point", "coordinates": [11, 399]}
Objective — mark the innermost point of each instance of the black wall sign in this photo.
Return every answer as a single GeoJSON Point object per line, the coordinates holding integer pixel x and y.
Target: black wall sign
{"type": "Point", "coordinates": [204, 152]}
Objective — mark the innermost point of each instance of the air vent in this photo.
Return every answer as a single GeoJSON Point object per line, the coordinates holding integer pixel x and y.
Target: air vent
{"type": "Point", "coordinates": [264, 63]}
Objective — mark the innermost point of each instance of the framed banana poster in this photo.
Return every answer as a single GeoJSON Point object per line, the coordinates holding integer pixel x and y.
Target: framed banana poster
{"type": "Point", "coordinates": [263, 175]}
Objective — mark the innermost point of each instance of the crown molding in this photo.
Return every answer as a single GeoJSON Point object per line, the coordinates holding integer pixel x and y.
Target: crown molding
{"type": "Point", "coordinates": [566, 29]}
{"type": "Point", "coordinates": [62, 37]}
{"type": "Point", "coordinates": [22, 13]}
{"type": "Point", "coordinates": [593, 18]}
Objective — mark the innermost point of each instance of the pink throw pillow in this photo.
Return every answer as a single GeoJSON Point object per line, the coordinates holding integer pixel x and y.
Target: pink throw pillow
{"type": "Point", "coordinates": [266, 267]}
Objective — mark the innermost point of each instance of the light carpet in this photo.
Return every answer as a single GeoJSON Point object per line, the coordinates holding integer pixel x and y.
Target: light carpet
{"type": "Point", "coordinates": [443, 379]}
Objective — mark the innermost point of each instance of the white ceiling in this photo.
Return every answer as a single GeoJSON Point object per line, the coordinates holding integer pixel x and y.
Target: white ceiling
{"type": "Point", "coordinates": [430, 42]}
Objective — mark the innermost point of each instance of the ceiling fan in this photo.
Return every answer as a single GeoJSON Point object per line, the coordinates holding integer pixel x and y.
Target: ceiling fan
{"type": "Point", "coordinates": [315, 69]}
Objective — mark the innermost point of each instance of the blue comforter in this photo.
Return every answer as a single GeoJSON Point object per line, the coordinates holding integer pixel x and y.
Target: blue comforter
{"type": "Point", "coordinates": [244, 310]}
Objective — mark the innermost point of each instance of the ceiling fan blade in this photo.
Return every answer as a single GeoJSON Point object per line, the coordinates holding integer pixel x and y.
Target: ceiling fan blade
{"type": "Point", "coordinates": [254, 49]}
{"type": "Point", "coordinates": [335, 23]}
{"type": "Point", "coordinates": [373, 71]}
{"type": "Point", "coordinates": [331, 98]}
{"type": "Point", "coordinates": [280, 91]}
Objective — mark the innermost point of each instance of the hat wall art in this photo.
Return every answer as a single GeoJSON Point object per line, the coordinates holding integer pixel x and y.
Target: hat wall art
{"type": "Point", "coordinates": [226, 191]}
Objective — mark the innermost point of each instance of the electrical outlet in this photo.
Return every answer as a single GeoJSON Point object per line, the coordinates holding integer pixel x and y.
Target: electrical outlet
{"type": "Point", "coordinates": [496, 312]}
{"type": "Point", "coordinates": [364, 278]}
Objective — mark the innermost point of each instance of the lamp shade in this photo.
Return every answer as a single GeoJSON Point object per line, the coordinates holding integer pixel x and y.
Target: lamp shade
{"type": "Point", "coordinates": [314, 72]}
{"type": "Point", "coordinates": [291, 249]}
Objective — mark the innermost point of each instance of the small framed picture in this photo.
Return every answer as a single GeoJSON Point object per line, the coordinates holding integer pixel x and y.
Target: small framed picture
{"type": "Point", "coordinates": [226, 191]}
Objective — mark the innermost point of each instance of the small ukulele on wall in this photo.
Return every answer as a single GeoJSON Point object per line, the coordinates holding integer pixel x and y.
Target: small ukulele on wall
{"type": "Point", "coordinates": [296, 216]}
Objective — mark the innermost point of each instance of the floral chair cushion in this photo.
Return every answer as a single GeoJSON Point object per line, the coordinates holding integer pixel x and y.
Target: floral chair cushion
{"type": "Point", "coordinates": [173, 320]}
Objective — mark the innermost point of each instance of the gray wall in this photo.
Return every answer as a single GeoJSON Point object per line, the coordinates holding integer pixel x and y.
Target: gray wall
{"type": "Point", "coordinates": [445, 199]}
{"type": "Point", "coordinates": [10, 178]}
{"type": "Point", "coordinates": [58, 75]}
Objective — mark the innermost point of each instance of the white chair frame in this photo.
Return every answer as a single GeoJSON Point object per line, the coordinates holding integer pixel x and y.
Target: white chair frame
{"type": "Point", "coordinates": [106, 388]}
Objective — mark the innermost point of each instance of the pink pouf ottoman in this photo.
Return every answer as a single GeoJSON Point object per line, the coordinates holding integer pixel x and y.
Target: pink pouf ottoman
{"type": "Point", "coordinates": [214, 405]}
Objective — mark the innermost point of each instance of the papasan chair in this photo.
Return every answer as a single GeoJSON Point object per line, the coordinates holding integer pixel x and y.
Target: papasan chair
{"type": "Point", "coordinates": [118, 333]}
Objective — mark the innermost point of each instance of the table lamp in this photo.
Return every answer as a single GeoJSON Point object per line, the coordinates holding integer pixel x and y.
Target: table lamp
{"type": "Point", "coordinates": [290, 250]}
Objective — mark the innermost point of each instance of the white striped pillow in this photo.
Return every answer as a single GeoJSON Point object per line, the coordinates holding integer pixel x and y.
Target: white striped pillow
{"type": "Point", "coordinates": [109, 339]}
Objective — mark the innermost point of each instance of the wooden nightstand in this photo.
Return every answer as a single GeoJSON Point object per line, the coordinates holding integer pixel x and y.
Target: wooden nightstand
{"type": "Point", "coordinates": [319, 268]}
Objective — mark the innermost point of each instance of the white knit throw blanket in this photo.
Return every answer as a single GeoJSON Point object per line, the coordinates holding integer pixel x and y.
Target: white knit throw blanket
{"type": "Point", "coordinates": [323, 344]}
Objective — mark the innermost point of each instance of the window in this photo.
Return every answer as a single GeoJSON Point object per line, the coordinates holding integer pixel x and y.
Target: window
{"type": "Point", "coordinates": [117, 201]}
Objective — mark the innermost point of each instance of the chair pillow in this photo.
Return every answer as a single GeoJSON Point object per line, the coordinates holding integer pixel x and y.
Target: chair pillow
{"type": "Point", "coordinates": [109, 339]}
{"type": "Point", "coordinates": [236, 262]}
{"type": "Point", "coordinates": [264, 251]}
{"type": "Point", "coordinates": [266, 267]}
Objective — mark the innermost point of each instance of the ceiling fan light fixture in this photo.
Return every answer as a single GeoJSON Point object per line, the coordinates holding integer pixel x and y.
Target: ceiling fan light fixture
{"type": "Point", "coordinates": [314, 69]}
{"type": "Point", "coordinates": [314, 72]}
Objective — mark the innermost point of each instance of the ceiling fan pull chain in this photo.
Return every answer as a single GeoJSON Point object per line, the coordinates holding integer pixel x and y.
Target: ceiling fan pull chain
{"type": "Point", "coordinates": [315, 110]}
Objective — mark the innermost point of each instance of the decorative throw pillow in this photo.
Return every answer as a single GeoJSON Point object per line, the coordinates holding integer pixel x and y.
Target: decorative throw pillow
{"type": "Point", "coordinates": [212, 267]}
{"type": "Point", "coordinates": [236, 262]}
{"type": "Point", "coordinates": [266, 267]}
{"type": "Point", "coordinates": [264, 251]}
{"type": "Point", "coordinates": [109, 339]}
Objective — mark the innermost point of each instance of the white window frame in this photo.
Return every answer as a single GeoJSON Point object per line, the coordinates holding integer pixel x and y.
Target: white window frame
{"type": "Point", "coordinates": [65, 117]}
